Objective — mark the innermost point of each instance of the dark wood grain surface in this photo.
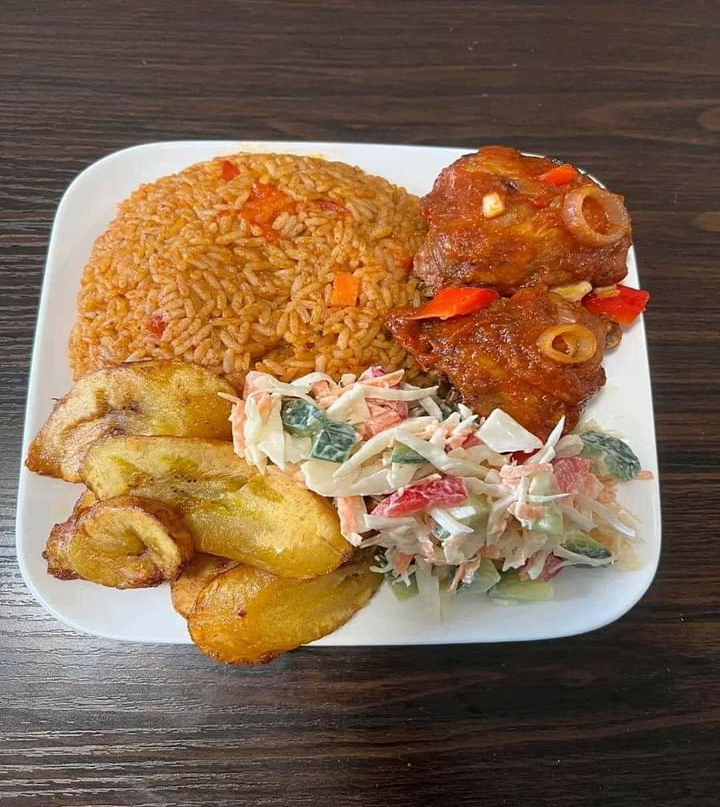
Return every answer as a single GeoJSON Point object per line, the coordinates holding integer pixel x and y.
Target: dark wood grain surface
{"type": "Point", "coordinates": [627, 715]}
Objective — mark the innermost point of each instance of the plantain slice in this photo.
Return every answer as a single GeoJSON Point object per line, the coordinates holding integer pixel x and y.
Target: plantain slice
{"type": "Point", "coordinates": [55, 554]}
{"type": "Point", "coordinates": [147, 397]}
{"type": "Point", "coordinates": [247, 616]}
{"type": "Point", "coordinates": [87, 499]}
{"type": "Point", "coordinates": [123, 542]}
{"type": "Point", "coordinates": [231, 510]}
{"type": "Point", "coordinates": [199, 572]}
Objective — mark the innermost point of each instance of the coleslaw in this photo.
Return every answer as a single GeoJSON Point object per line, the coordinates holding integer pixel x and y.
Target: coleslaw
{"type": "Point", "coordinates": [452, 501]}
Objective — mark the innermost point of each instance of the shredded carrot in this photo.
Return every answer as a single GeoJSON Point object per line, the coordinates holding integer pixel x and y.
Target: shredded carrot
{"type": "Point", "coordinates": [346, 288]}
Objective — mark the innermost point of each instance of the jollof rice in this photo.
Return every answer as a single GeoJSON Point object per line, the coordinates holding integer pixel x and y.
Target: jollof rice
{"type": "Point", "coordinates": [180, 272]}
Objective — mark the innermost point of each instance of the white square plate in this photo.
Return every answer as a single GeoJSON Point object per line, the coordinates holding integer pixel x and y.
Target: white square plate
{"type": "Point", "coordinates": [585, 599]}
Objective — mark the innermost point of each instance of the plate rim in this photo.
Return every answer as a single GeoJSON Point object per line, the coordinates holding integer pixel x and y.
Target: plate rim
{"type": "Point", "coordinates": [650, 566]}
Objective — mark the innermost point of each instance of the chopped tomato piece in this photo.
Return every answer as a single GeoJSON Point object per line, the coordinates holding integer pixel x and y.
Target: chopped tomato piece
{"type": "Point", "coordinates": [455, 301]}
{"type": "Point", "coordinates": [156, 325]}
{"type": "Point", "coordinates": [571, 473]}
{"type": "Point", "coordinates": [560, 175]}
{"type": "Point", "coordinates": [623, 307]}
{"type": "Point", "coordinates": [265, 204]}
{"type": "Point", "coordinates": [423, 496]}
{"type": "Point", "coordinates": [229, 170]}
{"type": "Point", "coordinates": [346, 288]}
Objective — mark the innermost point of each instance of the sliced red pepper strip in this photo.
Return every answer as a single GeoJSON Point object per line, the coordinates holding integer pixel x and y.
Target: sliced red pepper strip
{"type": "Point", "coordinates": [454, 301]}
{"type": "Point", "coordinates": [560, 175]}
{"type": "Point", "coordinates": [623, 308]}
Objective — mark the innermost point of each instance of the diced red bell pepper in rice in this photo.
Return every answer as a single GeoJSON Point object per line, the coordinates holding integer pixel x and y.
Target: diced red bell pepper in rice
{"type": "Point", "coordinates": [423, 496]}
{"type": "Point", "coordinates": [156, 325]}
{"type": "Point", "coordinates": [265, 204]}
{"type": "Point", "coordinates": [571, 473]}
{"type": "Point", "coordinates": [229, 170]}
{"type": "Point", "coordinates": [345, 290]}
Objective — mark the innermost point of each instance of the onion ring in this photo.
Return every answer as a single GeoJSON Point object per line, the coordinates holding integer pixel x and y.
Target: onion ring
{"type": "Point", "coordinates": [574, 218]}
{"type": "Point", "coordinates": [580, 342]}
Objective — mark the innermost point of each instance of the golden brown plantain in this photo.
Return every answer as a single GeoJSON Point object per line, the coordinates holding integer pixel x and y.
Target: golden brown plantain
{"type": "Point", "coordinates": [231, 510]}
{"type": "Point", "coordinates": [147, 397]}
{"type": "Point", "coordinates": [199, 572]}
{"type": "Point", "coordinates": [246, 616]}
{"type": "Point", "coordinates": [55, 554]}
{"type": "Point", "coordinates": [124, 542]}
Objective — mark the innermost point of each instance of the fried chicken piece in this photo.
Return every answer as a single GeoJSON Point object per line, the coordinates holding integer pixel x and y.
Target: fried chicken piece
{"type": "Point", "coordinates": [501, 357]}
{"type": "Point", "coordinates": [494, 222]}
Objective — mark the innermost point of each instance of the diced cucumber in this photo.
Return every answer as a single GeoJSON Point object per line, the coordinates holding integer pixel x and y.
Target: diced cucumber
{"type": "Point", "coordinates": [484, 579]}
{"type": "Point", "coordinates": [551, 522]}
{"type": "Point", "coordinates": [611, 456]}
{"type": "Point", "coordinates": [405, 454]}
{"type": "Point", "coordinates": [583, 544]}
{"type": "Point", "coordinates": [446, 409]}
{"type": "Point", "coordinates": [474, 513]}
{"type": "Point", "coordinates": [512, 588]}
{"type": "Point", "coordinates": [542, 484]}
{"type": "Point", "coordinates": [400, 590]}
{"type": "Point", "coordinates": [302, 418]}
{"type": "Point", "coordinates": [333, 442]}
{"type": "Point", "coordinates": [481, 505]}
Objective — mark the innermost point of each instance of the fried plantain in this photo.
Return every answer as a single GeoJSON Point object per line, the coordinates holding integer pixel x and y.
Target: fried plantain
{"type": "Point", "coordinates": [199, 572]}
{"type": "Point", "coordinates": [55, 554]}
{"type": "Point", "coordinates": [266, 520]}
{"type": "Point", "coordinates": [147, 397]}
{"type": "Point", "coordinates": [123, 542]}
{"type": "Point", "coordinates": [247, 616]}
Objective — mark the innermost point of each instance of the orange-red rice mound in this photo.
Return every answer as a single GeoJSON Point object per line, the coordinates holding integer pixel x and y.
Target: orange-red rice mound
{"type": "Point", "coordinates": [272, 262]}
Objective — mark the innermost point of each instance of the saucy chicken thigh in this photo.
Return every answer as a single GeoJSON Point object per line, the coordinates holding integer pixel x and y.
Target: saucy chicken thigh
{"type": "Point", "coordinates": [502, 219]}
{"type": "Point", "coordinates": [534, 355]}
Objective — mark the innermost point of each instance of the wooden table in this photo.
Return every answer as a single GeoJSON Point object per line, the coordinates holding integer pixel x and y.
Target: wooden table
{"type": "Point", "coordinates": [627, 715]}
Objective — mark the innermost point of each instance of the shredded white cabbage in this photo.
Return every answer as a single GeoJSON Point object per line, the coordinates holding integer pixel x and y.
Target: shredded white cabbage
{"type": "Point", "coordinates": [403, 488]}
{"type": "Point", "coordinates": [504, 435]}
